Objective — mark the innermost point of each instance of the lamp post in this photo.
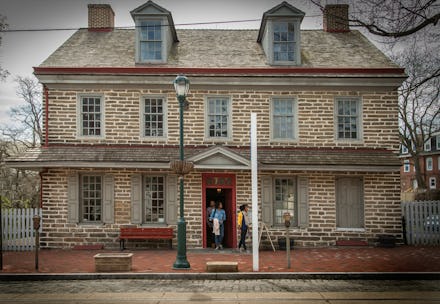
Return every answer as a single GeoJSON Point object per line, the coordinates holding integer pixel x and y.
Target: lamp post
{"type": "Point", "coordinates": [287, 217]}
{"type": "Point", "coordinates": [181, 85]}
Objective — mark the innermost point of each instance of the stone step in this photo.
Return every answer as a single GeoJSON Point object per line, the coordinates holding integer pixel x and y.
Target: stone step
{"type": "Point", "coordinates": [218, 266]}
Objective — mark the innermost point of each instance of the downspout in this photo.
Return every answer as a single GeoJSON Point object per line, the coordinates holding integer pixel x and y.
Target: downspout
{"type": "Point", "coordinates": [41, 186]}
{"type": "Point", "coordinates": [46, 116]}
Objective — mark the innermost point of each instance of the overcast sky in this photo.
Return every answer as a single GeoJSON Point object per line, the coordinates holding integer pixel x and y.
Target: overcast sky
{"type": "Point", "coordinates": [21, 51]}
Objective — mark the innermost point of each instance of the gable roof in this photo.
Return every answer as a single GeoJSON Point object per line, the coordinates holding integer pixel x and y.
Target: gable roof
{"type": "Point", "coordinates": [283, 9]}
{"type": "Point", "coordinates": [210, 48]}
{"type": "Point", "coordinates": [152, 9]}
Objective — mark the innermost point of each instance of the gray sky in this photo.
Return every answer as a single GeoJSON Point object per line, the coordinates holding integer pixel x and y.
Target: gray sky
{"type": "Point", "coordinates": [21, 51]}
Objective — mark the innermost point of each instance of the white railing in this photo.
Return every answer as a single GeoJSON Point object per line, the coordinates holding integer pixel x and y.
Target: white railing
{"type": "Point", "coordinates": [422, 222]}
{"type": "Point", "coordinates": [17, 228]}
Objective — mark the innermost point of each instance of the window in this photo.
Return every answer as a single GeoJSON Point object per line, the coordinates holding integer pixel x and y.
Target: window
{"type": "Point", "coordinates": [218, 117]}
{"type": "Point", "coordinates": [150, 40]}
{"type": "Point", "coordinates": [283, 41]}
{"type": "Point", "coordinates": [154, 117]}
{"type": "Point", "coordinates": [437, 138]}
{"type": "Point", "coordinates": [427, 146]}
{"type": "Point", "coordinates": [404, 149]}
{"type": "Point", "coordinates": [283, 118]}
{"type": "Point", "coordinates": [154, 199]}
{"type": "Point", "coordinates": [406, 166]}
{"type": "Point", "coordinates": [91, 198]}
{"type": "Point", "coordinates": [429, 164]}
{"type": "Point", "coordinates": [91, 116]}
{"type": "Point", "coordinates": [432, 183]}
{"type": "Point", "coordinates": [285, 200]}
{"type": "Point", "coordinates": [348, 118]}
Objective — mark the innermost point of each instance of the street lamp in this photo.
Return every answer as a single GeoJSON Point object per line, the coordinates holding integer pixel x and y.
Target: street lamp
{"type": "Point", "coordinates": [181, 167]}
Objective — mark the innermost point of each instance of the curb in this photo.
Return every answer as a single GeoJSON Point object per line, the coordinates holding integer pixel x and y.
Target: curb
{"type": "Point", "coordinates": [401, 276]}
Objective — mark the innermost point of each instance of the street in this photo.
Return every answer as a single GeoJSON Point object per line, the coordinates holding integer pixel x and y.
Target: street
{"type": "Point", "coordinates": [220, 291]}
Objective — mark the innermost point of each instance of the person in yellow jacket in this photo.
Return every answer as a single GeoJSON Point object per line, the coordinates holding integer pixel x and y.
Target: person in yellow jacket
{"type": "Point", "coordinates": [243, 225]}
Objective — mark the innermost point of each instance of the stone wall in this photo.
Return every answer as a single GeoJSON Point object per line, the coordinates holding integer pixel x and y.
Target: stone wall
{"type": "Point", "coordinates": [315, 117]}
{"type": "Point", "coordinates": [381, 209]}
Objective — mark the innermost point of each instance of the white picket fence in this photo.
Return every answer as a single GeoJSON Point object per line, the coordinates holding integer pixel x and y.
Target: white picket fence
{"type": "Point", "coordinates": [18, 229]}
{"type": "Point", "coordinates": [422, 222]}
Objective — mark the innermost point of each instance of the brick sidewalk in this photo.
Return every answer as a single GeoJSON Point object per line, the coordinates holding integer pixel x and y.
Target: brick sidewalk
{"type": "Point", "coordinates": [334, 259]}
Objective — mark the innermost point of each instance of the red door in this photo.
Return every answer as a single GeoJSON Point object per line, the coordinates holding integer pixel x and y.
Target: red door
{"type": "Point", "coordinates": [220, 187]}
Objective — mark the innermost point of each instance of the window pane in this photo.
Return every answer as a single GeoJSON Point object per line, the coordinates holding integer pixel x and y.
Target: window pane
{"type": "Point", "coordinates": [154, 198]}
{"type": "Point", "coordinates": [153, 112]}
{"type": "Point", "coordinates": [285, 199]}
{"type": "Point", "coordinates": [91, 116]}
{"type": "Point", "coordinates": [283, 119]}
{"type": "Point", "coordinates": [91, 198]}
{"type": "Point", "coordinates": [283, 41]}
{"type": "Point", "coordinates": [347, 118]}
{"type": "Point", "coordinates": [218, 116]}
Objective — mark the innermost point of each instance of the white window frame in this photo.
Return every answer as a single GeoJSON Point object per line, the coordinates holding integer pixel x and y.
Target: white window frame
{"type": "Point", "coordinates": [429, 164]}
{"type": "Point", "coordinates": [359, 122]}
{"type": "Point", "coordinates": [164, 37]}
{"type": "Point", "coordinates": [164, 121]}
{"type": "Point", "coordinates": [432, 183]}
{"type": "Point", "coordinates": [79, 121]}
{"type": "Point", "coordinates": [229, 126]}
{"type": "Point", "coordinates": [144, 200]}
{"type": "Point", "coordinates": [406, 166]}
{"type": "Point", "coordinates": [427, 145]}
{"type": "Point", "coordinates": [294, 123]}
{"type": "Point", "coordinates": [294, 212]}
{"type": "Point", "coordinates": [81, 198]}
{"type": "Point", "coordinates": [297, 41]}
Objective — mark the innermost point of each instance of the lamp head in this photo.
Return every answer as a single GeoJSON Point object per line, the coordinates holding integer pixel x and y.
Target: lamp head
{"type": "Point", "coordinates": [181, 85]}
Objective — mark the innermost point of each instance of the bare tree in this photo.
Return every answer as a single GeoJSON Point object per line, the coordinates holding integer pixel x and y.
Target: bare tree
{"type": "Point", "coordinates": [3, 26]}
{"type": "Point", "coordinates": [27, 118]}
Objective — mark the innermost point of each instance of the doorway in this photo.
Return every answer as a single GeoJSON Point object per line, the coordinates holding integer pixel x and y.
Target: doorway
{"type": "Point", "coordinates": [220, 188]}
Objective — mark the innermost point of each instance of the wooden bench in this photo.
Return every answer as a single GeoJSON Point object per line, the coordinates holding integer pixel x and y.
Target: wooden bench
{"type": "Point", "coordinates": [145, 234]}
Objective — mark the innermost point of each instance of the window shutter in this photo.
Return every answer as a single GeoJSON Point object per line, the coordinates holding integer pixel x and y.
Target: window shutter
{"type": "Point", "coordinates": [303, 202]}
{"type": "Point", "coordinates": [136, 199]}
{"type": "Point", "coordinates": [171, 210]}
{"type": "Point", "coordinates": [73, 198]}
{"type": "Point", "coordinates": [267, 200]}
{"type": "Point", "coordinates": [108, 207]}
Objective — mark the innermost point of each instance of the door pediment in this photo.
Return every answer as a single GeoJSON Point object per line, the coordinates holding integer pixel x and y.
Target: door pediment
{"type": "Point", "coordinates": [219, 158]}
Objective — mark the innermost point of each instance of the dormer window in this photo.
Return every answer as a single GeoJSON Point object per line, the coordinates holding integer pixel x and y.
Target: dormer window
{"type": "Point", "coordinates": [283, 41]}
{"type": "Point", "coordinates": [279, 34]}
{"type": "Point", "coordinates": [155, 33]}
{"type": "Point", "coordinates": [150, 40]}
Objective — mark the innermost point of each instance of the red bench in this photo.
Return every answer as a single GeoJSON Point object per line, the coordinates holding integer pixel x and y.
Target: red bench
{"type": "Point", "coordinates": [145, 234]}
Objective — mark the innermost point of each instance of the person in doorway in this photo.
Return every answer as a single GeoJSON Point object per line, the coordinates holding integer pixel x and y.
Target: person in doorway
{"type": "Point", "coordinates": [243, 225]}
{"type": "Point", "coordinates": [218, 216]}
{"type": "Point", "coordinates": [209, 225]}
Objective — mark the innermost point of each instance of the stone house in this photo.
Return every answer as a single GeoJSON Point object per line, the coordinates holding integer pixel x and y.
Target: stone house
{"type": "Point", "coordinates": [326, 105]}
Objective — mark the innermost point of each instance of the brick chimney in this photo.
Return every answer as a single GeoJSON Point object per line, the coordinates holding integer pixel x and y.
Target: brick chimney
{"type": "Point", "coordinates": [101, 18]}
{"type": "Point", "coordinates": [336, 18]}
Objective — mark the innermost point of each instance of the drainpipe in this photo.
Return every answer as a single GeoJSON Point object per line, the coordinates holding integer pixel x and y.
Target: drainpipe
{"type": "Point", "coordinates": [46, 116]}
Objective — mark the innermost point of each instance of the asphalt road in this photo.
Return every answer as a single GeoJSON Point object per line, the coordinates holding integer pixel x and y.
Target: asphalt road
{"type": "Point", "coordinates": [220, 291]}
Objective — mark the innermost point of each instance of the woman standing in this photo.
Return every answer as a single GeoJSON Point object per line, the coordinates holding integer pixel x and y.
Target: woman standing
{"type": "Point", "coordinates": [243, 225]}
{"type": "Point", "coordinates": [218, 216]}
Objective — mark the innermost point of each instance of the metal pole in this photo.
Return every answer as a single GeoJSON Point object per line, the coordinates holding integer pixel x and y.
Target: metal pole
{"type": "Point", "coordinates": [36, 220]}
{"type": "Point", "coordinates": [254, 174]}
{"type": "Point", "coordinates": [181, 260]}
{"type": "Point", "coordinates": [288, 246]}
{"type": "Point", "coordinates": [1, 233]}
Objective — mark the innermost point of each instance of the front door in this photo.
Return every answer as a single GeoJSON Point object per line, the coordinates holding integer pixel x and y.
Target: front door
{"type": "Point", "coordinates": [349, 203]}
{"type": "Point", "coordinates": [220, 188]}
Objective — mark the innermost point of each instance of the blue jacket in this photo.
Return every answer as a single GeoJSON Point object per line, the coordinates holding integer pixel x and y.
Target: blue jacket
{"type": "Point", "coordinates": [218, 214]}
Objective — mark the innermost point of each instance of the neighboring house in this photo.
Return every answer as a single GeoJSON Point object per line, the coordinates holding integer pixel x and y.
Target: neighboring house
{"type": "Point", "coordinates": [327, 110]}
{"type": "Point", "coordinates": [429, 165]}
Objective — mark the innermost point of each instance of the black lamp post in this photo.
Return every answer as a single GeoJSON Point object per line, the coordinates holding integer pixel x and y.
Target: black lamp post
{"type": "Point", "coordinates": [181, 85]}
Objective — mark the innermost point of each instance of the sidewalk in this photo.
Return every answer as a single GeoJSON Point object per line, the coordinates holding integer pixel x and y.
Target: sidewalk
{"type": "Point", "coordinates": [334, 259]}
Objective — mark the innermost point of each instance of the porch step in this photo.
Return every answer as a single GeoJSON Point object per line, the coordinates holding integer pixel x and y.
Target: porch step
{"type": "Point", "coordinates": [217, 266]}
{"type": "Point", "coordinates": [351, 243]}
